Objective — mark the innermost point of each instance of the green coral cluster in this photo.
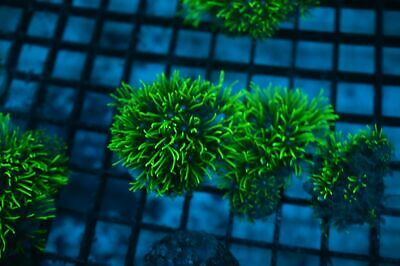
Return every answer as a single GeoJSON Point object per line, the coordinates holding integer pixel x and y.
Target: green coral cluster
{"type": "Point", "coordinates": [258, 18]}
{"type": "Point", "coordinates": [347, 182]}
{"type": "Point", "coordinates": [32, 168]}
{"type": "Point", "coordinates": [177, 131]}
{"type": "Point", "coordinates": [172, 131]}
{"type": "Point", "coordinates": [271, 141]}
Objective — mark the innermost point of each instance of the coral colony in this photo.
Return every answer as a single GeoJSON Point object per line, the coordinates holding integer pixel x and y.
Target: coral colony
{"type": "Point", "coordinates": [178, 131]}
{"type": "Point", "coordinates": [173, 130]}
{"type": "Point", "coordinates": [347, 179]}
{"type": "Point", "coordinates": [33, 167]}
{"type": "Point", "coordinates": [270, 142]}
{"type": "Point", "coordinates": [239, 17]}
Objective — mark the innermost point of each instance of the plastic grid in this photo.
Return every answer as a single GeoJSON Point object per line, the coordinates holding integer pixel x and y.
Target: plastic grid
{"type": "Point", "coordinates": [58, 78]}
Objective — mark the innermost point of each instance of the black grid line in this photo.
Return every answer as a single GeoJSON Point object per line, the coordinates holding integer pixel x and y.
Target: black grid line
{"type": "Point", "coordinates": [133, 239]}
{"type": "Point", "coordinates": [91, 221]}
{"type": "Point", "coordinates": [105, 173]}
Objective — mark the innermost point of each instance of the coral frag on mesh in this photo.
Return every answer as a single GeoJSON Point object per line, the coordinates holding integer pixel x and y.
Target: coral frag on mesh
{"type": "Point", "coordinates": [172, 131]}
{"type": "Point", "coordinates": [258, 18]}
{"type": "Point", "coordinates": [190, 248]}
{"type": "Point", "coordinates": [33, 167]}
{"type": "Point", "coordinates": [270, 142]}
{"type": "Point", "coordinates": [289, 122]}
{"type": "Point", "coordinates": [347, 183]}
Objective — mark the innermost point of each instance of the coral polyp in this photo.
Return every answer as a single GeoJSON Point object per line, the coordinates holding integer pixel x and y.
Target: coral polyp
{"type": "Point", "coordinates": [271, 141]}
{"type": "Point", "coordinates": [258, 18]}
{"type": "Point", "coordinates": [289, 122]}
{"type": "Point", "coordinates": [347, 183]}
{"type": "Point", "coordinates": [33, 167]}
{"type": "Point", "coordinates": [172, 131]}
{"type": "Point", "coordinates": [253, 179]}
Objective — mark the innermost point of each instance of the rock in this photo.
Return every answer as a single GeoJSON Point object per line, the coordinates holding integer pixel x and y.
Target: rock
{"type": "Point", "coordinates": [189, 248]}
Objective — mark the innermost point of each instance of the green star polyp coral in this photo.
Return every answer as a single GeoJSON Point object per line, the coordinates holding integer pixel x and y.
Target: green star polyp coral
{"type": "Point", "coordinates": [254, 178]}
{"type": "Point", "coordinates": [348, 179]}
{"type": "Point", "coordinates": [176, 131]}
{"type": "Point", "coordinates": [271, 141]}
{"type": "Point", "coordinates": [288, 122]}
{"type": "Point", "coordinates": [32, 168]}
{"type": "Point", "coordinates": [258, 18]}
{"type": "Point", "coordinates": [172, 131]}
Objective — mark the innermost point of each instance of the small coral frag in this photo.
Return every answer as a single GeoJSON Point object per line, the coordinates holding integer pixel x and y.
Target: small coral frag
{"type": "Point", "coordinates": [253, 180]}
{"type": "Point", "coordinates": [258, 18]}
{"type": "Point", "coordinates": [32, 167]}
{"type": "Point", "coordinates": [250, 177]}
{"type": "Point", "coordinates": [275, 132]}
{"type": "Point", "coordinates": [287, 123]}
{"type": "Point", "coordinates": [348, 178]}
{"type": "Point", "coordinates": [172, 131]}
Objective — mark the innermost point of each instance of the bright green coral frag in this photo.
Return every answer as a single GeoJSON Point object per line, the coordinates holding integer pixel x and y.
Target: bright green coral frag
{"type": "Point", "coordinates": [32, 167]}
{"type": "Point", "coordinates": [253, 179]}
{"type": "Point", "coordinates": [258, 18]}
{"type": "Point", "coordinates": [289, 121]}
{"type": "Point", "coordinates": [271, 141]}
{"type": "Point", "coordinates": [172, 131]}
{"type": "Point", "coordinates": [348, 178]}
